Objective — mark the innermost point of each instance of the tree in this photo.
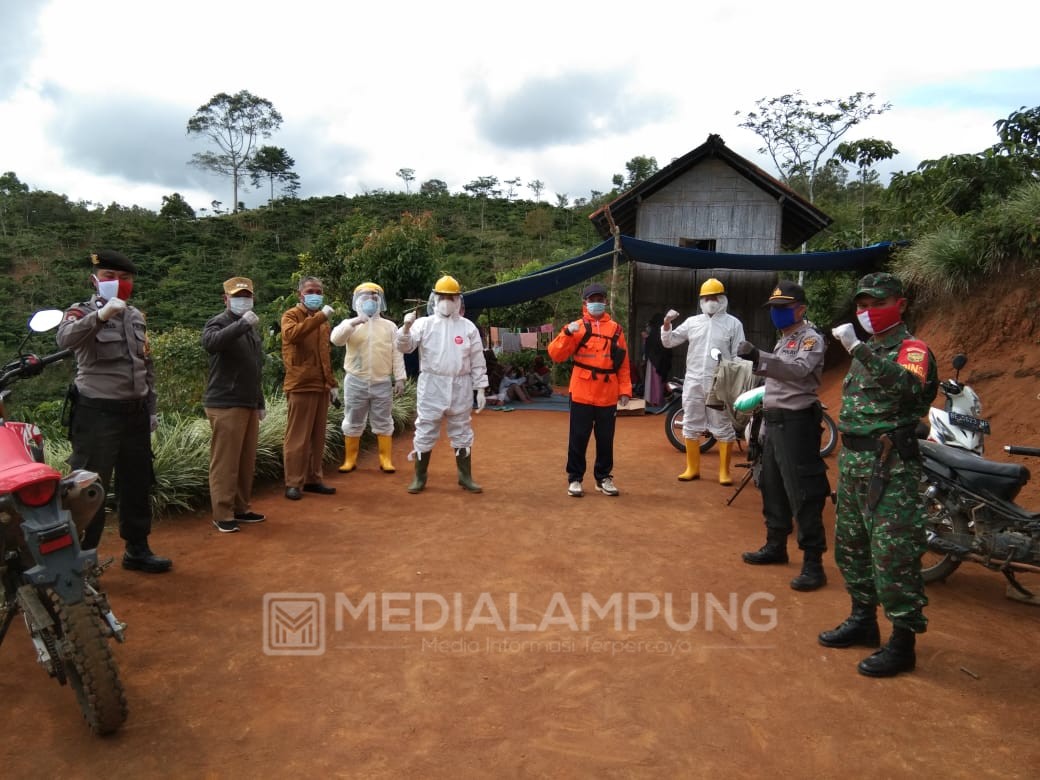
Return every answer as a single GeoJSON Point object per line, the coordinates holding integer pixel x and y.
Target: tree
{"type": "Point", "coordinates": [274, 164]}
{"type": "Point", "coordinates": [483, 188]}
{"type": "Point", "coordinates": [538, 224]}
{"type": "Point", "coordinates": [797, 133]}
{"type": "Point", "coordinates": [234, 123]}
{"type": "Point", "coordinates": [406, 175]}
{"type": "Point", "coordinates": [639, 169]}
{"type": "Point", "coordinates": [512, 184]}
{"type": "Point", "coordinates": [433, 187]}
{"type": "Point", "coordinates": [864, 153]}
{"type": "Point", "coordinates": [536, 186]}
{"type": "Point", "coordinates": [11, 189]}
{"type": "Point", "coordinates": [176, 207]}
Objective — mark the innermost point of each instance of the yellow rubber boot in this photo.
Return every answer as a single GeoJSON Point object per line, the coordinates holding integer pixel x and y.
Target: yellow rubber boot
{"type": "Point", "coordinates": [351, 444]}
{"type": "Point", "coordinates": [385, 444]}
{"type": "Point", "coordinates": [725, 453]}
{"type": "Point", "coordinates": [693, 461]}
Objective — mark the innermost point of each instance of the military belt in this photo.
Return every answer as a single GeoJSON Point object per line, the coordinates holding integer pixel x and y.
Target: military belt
{"type": "Point", "coordinates": [851, 441]}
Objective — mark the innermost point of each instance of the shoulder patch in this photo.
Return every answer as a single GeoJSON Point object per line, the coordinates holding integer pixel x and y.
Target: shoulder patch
{"type": "Point", "coordinates": [73, 314]}
{"type": "Point", "coordinates": [913, 356]}
{"type": "Point", "coordinates": [809, 343]}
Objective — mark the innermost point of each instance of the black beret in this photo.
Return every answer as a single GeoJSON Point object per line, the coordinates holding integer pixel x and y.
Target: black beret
{"type": "Point", "coordinates": [113, 261]}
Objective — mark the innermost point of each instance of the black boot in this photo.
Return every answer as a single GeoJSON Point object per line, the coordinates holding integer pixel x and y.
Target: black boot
{"type": "Point", "coordinates": [895, 657]}
{"type": "Point", "coordinates": [139, 557]}
{"type": "Point", "coordinates": [773, 551]}
{"type": "Point", "coordinates": [812, 576]}
{"type": "Point", "coordinates": [859, 628]}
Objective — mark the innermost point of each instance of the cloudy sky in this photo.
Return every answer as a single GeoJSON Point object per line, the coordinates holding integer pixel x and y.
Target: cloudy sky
{"type": "Point", "coordinates": [95, 96]}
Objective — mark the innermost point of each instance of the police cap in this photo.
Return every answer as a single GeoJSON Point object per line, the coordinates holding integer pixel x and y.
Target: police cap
{"type": "Point", "coordinates": [113, 261]}
{"type": "Point", "coordinates": [785, 293]}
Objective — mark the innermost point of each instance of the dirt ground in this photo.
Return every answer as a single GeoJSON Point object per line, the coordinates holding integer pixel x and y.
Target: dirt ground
{"type": "Point", "coordinates": [744, 690]}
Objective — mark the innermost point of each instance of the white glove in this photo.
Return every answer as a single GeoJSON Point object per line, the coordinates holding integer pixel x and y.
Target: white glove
{"type": "Point", "coordinates": [334, 395]}
{"type": "Point", "coordinates": [327, 311]}
{"type": "Point", "coordinates": [250, 317]}
{"type": "Point", "coordinates": [398, 387]}
{"type": "Point", "coordinates": [622, 401]}
{"type": "Point", "coordinates": [846, 334]}
{"type": "Point", "coordinates": [153, 422]}
{"type": "Point", "coordinates": [361, 319]}
{"type": "Point", "coordinates": [575, 326]}
{"type": "Point", "coordinates": [261, 414]}
{"type": "Point", "coordinates": [113, 308]}
{"type": "Point", "coordinates": [481, 400]}
{"type": "Point", "coordinates": [671, 315]}
{"type": "Point", "coordinates": [409, 318]}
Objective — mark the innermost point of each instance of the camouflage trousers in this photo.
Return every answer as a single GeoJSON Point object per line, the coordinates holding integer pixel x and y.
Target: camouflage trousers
{"type": "Point", "coordinates": [879, 552]}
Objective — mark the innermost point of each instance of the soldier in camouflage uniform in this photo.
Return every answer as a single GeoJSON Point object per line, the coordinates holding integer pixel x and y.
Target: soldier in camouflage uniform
{"type": "Point", "coordinates": [880, 528]}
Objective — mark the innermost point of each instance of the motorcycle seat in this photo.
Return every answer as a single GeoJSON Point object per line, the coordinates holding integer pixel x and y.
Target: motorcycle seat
{"type": "Point", "coordinates": [976, 473]}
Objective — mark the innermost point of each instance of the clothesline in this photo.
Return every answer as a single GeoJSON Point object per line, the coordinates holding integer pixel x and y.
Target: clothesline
{"type": "Point", "coordinates": [515, 339]}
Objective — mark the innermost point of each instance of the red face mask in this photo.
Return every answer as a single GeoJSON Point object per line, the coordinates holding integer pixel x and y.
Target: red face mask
{"type": "Point", "coordinates": [880, 318]}
{"type": "Point", "coordinates": [126, 289]}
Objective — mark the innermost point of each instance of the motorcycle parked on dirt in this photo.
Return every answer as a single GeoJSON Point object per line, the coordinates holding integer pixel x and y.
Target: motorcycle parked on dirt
{"type": "Point", "coordinates": [44, 573]}
{"type": "Point", "coordinates": [959, 423]}
{"type": "Point", "coordinates": [969, 501]}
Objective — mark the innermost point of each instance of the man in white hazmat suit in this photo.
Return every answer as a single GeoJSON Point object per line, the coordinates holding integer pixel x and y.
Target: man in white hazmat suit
{"type": "Point", "coordinates": [712, 328]}
{"type": "Point", "coordinates": [373, 372]}
{"type": "Point", "coordinates": [451, 367]}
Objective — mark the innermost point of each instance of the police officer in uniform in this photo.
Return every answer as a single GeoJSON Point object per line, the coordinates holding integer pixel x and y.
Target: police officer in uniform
{"type": "Point", "coordinates": [794, 477]}
{"type": "Point", "coordinates": [879, 534]}
{"type": "Point", "coordinates": [114, 411]}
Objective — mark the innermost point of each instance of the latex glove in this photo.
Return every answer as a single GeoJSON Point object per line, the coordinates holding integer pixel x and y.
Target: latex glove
{"type": "Point", "coordinates": [671, 315]}
{"type": "Point", "coordinates": [153, 422]}
{"type": "Point", "coordinates": [409, 318]}
{"type": "Point", "coordinates": [398, 387]}
{"type": "Point", "coordinates": [334, 396]}
{"type": "Point", "coordinates": [622, 401]}
{"type": "Point", "coordinates": [261, 414]}
{"type": "Point", "coordinates": [327, 311]}
{"type": "Point", "coordinates": [575, 326]}
{"type": "Point", "coordinates": [361, 319]}
{"type": "Point", "coordinates": [113, 307]}
{"type": "Point", "coordinates": [748, 351]}
{"type": "Point", "coordinates": [250, 318]}
{"type": "Point", "coordinates": [481, 400]}
{"type": "Point", "coordinates": [846, 334]}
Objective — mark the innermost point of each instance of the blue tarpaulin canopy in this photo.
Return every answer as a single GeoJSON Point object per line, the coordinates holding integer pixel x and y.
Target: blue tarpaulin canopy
{"type": "Point", "coordinates": [568, 273]}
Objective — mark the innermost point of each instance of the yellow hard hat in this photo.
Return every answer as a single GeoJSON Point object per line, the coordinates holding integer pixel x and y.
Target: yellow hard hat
{"type": "Point", "coordinates": [712, 287]}
{"type": "Point", "coordinates": [368, 287]}
{"type": "Point", "coordinates": [447, 285]}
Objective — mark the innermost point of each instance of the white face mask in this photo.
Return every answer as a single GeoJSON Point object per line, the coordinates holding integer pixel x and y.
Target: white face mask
{"type": "Point", "coordinates": [447, 308]}
{"type": "Point", "coordinates": [107, 288]}
{"type": "Point", "coordinates": [240, 304]}
{"type": "Point", "coordinates": [710, 307]}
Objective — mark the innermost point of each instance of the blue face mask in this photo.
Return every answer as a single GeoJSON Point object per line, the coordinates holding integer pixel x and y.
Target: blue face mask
{"type": "Point", "coordinates": [596, 308]}
{"type": "Point", "coordinates": [313, 301]}
{"type": "Point", "coordinates": [782, 316]}
{"type": "Point", "coordinates": [369, 307]}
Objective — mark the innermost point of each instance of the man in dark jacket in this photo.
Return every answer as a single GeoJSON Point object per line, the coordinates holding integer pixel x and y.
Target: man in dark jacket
{"type": "Point", "coordinates": [234, 403]}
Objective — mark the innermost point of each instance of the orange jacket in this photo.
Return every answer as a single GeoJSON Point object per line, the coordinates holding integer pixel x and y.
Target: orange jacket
{"type": "Point", "coordinates": [594, 381]}
{"type": "Point", "coordinates": [305, 351]}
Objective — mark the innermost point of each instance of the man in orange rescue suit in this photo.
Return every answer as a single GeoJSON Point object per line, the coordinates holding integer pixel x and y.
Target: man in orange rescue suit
{"type": "Point", "coordinates": [600, 383]}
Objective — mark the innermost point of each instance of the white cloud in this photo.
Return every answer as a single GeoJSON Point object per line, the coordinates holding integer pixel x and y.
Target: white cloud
{"type": "Point", "coordinates": [96, 103]}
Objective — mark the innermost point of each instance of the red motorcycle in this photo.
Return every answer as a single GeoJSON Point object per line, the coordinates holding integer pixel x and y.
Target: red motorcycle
{"type": "Point", "coordinates": [44, 573]}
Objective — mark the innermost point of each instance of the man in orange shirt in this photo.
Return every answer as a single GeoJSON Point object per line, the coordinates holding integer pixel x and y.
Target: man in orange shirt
{"type": "Point", "coordinates": [600, 382]}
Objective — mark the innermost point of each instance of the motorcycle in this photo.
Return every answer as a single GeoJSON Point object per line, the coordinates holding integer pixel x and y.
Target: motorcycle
{"type": "Point", "coordinates": [958, 423]}
{"type": "Point", "coordinates": [44, 573]}
{"type": "Point", "coordinates": [972, 516]}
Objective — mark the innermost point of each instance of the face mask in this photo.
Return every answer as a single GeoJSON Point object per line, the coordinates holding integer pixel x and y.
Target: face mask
{"type": "Point", "coordinates": [313, 301]}
{"type": "Point", "coordinates": [107, 289]}
{"type": "Point", "coordinates": [446, 308]}
{"type": "Point", "coordinates": [782, 316]}
{"type": "Point", "coordinates": [369, 308]}
{"type": "Point", "coordinates": [126, 289]}
{"type": "Point", "coordinates": [596, 308]}
{"type": "Point", "coordinates": [879, 319]}
{"type": "Point", "coordinates": [709, 307]}
{"type": "Point", "coordinates": [240, 304]}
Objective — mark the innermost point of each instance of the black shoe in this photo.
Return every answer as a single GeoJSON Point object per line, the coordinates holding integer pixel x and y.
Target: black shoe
{"type": "Point", "coordinates": [860, 629]}
{"type": "Point", "coordinates": [138, 557]}
{"type": "Point", "coordinates": [249, 517]}
{"type": "Point", "coordinates": [770, 552]}
{"type": "Point", "coordinates": [317, 487]}
{"type": "Point", "coordinates": [812, 576]}
{"type": "Point", "coordinates": [892, 659]}
{"type": "Point", "coordinates": [293, 494]}
{"type": "Point", "coordinates": [226, 526]}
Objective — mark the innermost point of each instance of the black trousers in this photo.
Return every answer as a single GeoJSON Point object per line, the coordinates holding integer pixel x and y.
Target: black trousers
{"type": "Point", "coordinates": [794, 477]}
{"type": "Point", "coordinates": [587, 419]}
{"type": "Point", "coordinates": [107, 440]}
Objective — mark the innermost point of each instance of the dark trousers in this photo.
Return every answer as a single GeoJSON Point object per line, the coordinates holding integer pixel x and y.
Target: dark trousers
{"type": "Point", "coordinates": [587, 419]}
{"type": "Point", "coordinates": [794, 477]}
{"type": "Point", "coordinates": [107, 440]}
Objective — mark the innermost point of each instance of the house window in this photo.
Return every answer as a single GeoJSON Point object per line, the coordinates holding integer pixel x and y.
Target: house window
{"type": "Point", "coordinates": [707, 244]}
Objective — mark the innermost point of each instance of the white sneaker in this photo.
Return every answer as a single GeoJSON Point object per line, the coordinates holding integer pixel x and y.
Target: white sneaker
{"type": "Point", "coordinates": [574, 489]}
{"type": "Point", "coordinates": [607, 487]}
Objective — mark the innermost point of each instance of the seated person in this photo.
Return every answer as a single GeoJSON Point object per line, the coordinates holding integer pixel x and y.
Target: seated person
{"type": "Point", "coordinates": [538, 384]}
{"type": "Point", "coordinates": [512, 386]}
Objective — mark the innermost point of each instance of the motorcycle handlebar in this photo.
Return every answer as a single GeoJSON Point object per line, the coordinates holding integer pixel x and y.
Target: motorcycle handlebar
{"type": "Point", "coordinates": [1014, 449]}
{"type": "Point", "coordinates": [30, 365]}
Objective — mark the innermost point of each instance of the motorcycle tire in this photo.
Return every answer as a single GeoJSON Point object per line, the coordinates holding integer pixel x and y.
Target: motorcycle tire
{"type": "Point", "coordinates": [673, 422]}
{"type": "Point", "coordinates": [936, 567]}
{"type": "Point", "coordinates": [92, 669]}
{"type": "Point", "coordinates": [829, 437]}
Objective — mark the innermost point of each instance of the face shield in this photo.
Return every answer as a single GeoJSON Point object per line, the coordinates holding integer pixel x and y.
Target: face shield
{"type": "Point", "coordinates": [368, 303]}
{"type": "Point", "coordinates": [444, 305]}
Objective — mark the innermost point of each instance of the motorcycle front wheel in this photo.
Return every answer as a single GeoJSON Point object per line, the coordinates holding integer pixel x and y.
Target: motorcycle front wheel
{"type": "Point", "coordinates": [92, 669]}
{"type": "Point", "coordinates": [829, 436]}
{"type": "Point", "coordinates": [942, 521]}
{"type": "Point", "coordinates": [673, 422]}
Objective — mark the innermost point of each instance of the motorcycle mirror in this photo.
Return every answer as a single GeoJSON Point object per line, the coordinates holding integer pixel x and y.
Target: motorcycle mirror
{"type": "Point", "coordinates": [44, 320]}
{"type": "Point", "coordinates": [960, 360]}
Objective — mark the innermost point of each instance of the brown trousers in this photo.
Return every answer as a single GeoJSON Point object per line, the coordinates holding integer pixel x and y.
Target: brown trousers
{"type": "Point", "coordinates": [232, 459]}
{"type": "Point", "coordinates": [304, 448]}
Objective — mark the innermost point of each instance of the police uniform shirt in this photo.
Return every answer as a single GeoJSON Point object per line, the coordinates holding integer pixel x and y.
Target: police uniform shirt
{"type": "Point", "coordinates": [793, 370]}
{"type": "Point", "coordinates": [112, 358]}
